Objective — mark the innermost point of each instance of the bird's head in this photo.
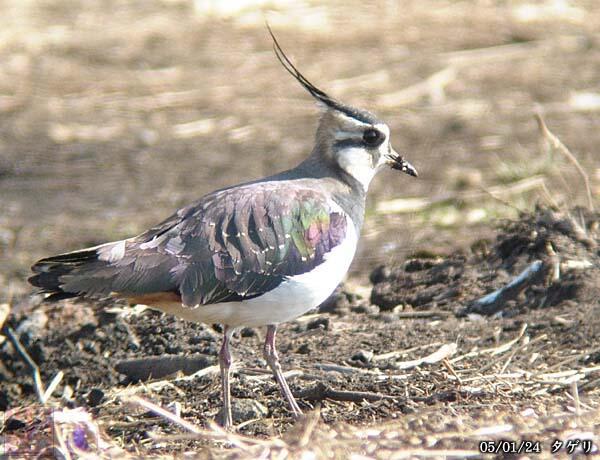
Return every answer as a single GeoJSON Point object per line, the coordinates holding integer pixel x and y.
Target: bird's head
{"type": "Point", "coordinates": [353, 140]}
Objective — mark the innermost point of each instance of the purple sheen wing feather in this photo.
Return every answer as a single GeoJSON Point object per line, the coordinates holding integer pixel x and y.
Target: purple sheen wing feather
{"type": "Point", "coordinates": [231, 245]}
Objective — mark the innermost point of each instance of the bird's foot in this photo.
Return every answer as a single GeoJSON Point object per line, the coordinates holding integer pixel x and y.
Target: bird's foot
{"type": "Point", "coordinates": [224, 419]}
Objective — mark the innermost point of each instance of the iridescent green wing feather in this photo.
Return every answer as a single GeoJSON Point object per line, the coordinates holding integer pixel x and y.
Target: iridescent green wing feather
{"type": "Point", "coordinates": [258, 241]}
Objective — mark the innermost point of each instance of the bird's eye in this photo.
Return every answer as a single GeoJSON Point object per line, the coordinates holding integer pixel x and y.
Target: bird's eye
{"type": "Point", "coordinates": [372, 137]}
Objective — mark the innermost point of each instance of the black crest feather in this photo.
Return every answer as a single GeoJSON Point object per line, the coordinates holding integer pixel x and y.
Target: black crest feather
{"type": "Point", "coordinates": [319, 94]}
{"type": "Point", "coordinates": [294, 72]}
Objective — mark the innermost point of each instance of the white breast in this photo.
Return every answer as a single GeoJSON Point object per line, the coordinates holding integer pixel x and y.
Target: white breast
{"type": "Point", "coordinates": [290, 299]}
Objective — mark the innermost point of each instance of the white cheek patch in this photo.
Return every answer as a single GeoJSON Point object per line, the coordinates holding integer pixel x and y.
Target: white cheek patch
{"type": "Point", "coordinates": [384, 147]}
{"type": "Point", "coordinates": [358, 163]}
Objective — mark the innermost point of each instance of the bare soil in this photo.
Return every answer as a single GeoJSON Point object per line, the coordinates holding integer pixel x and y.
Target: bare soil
{"type": "Point", "coordinates": [341, 357]}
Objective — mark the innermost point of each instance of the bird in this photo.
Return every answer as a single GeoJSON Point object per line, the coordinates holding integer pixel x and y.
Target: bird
{"type": "Point", "coordinates": [256, 254]}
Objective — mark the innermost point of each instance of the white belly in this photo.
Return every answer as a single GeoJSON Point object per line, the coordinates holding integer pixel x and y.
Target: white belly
{"type": "Point", "coordinates": [290, 299]}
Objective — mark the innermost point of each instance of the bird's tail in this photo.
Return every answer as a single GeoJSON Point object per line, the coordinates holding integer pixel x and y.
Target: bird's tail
{"type": "Point", "coordinates": [52, 273]}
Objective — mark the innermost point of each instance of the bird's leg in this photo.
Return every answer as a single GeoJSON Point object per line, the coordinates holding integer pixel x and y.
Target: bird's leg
{"type": "Point", "coordinates": [273, 362]}
{"type": "Point", "coordinates": [225, 364]}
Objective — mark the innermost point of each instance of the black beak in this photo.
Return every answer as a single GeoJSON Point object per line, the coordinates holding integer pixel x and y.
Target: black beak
{"type": "Point", "coordinates": [396, 161]}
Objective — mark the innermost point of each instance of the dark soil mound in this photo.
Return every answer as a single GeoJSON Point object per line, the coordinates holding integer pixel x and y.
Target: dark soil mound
{"type": "Point", "coordinates": [556, 255]}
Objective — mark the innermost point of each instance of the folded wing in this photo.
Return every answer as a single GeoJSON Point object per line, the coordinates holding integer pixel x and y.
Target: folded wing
{"type": "Point", "coordinates": [231, 245]}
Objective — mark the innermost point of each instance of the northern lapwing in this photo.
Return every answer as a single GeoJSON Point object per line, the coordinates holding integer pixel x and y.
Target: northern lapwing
{"type": "Point", "coordinates": [255, 254]}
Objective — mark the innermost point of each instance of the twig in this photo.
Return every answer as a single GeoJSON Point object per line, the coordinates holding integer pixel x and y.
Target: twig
{"type": "Point", "coordinates": [508, 345]}
{"type": "Point", "coordinates": [591, 384]}
{"type": "Point", "coordinates": [158, 367]}
{"type": "Point", "coordinates": [237, 440]}
{"type": "Point", "coordinates": [549, 196]}
{"type": "Point", "coordinates": [570, 359]}
{"type": "Point", "coordinates": [163, 413]}
{"type": "Point", "coordinates": [502, 201]}
{"type": "Point", "coordinates": [263, 374]}
{"type": "Point", "coordinates": [159, 384]}
{"type": "Point", "coordinates": [344, 369]}
{"type": "Point", "coordinates": [576, 265]}
{"type": "Point", "coordinates": [195, 128]}
{"type": "Point", "coordinates": [312, 419]}
{"type": "Point", "coordinates": [35, 370]}
{"type": "Point", "coordinates": [53, 384]}
{"type": "Point", "coordinates": [402, 205]}
{"type": "Point", "coordinates": [495, 350]}
{"type": "Point", "coordinates": [510, 375]}
{"type": "Point", "coordinates": [519, 348]}
{"type": "Point", "coordinates": [217, 433]}
{"type": "Point", "coordinates": [377, 374]}
{"type": "Point", "coordinates": [4, 311]}
{"type": "Point", "coordinates": [585, 406]}
{"type": "Point", "coordinates": [397, 354]}
{"type": "Point", "coordinates": [508, 360]}
{"type": "Point", "coordinates": [575, 393]}
{"type": "Point", "coordinates": [554, 262]}
{"type": "Point", "coordinates": [495, 301]}
{"type": "Point", "coordinates": [231, 438]}
{"type": "Point", "coordinates": [201, 373]}
{"type": "Point", "coordinates": [423, 314]}
{"type": "Point", "coordinates": [444, 352]}
{"type": "Point", "coordinates": [583, 371]}
{"type": "Point", "coordinates": [556, 143]}
{"type": "Point", "coordinates": [450, 369]}
{"type": "Point", "coordinates": [322, 391]}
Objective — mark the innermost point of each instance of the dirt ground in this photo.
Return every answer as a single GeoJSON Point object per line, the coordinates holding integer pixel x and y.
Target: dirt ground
{"type": "Point", "coordinates": [114, 114]}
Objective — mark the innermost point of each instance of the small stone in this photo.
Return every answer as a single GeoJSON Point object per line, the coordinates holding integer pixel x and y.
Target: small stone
{"type": "Point", "coordinates": [416, 265]}
{"type": "Point", "coordinates": [366, 308]}
{"type": "Point", "coordinates": [13, 424]}
{"type": "Point", "coordinates": [304, 349]}
{"type": "Point", "coordinates": [106, 317]}
{"type": "Point", "coordinates": [247, 409]}
{"type": "Point", "coordinates": [400, 308]}
{"type": "Point", "coordinates": [85, 331]}
{"type": "Point", "coordinates": [37, 351]}
{"type": "Point", "coordinates": [364, 356]}
{"type": "Point", "coordinates": [319, 323]}
{"type": "Point", "coordinates": [90, 347]}
{"type": "Point", "coordinates": [248, 332]}
{"type": "Point", "coordinates": [175, 408]}
{"type": "Point", "coordinates": [95, 397]}
{"type": "Point", "coordinates": [388, 317]}
{"type": "Point", "coordinates": [379, 274]}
